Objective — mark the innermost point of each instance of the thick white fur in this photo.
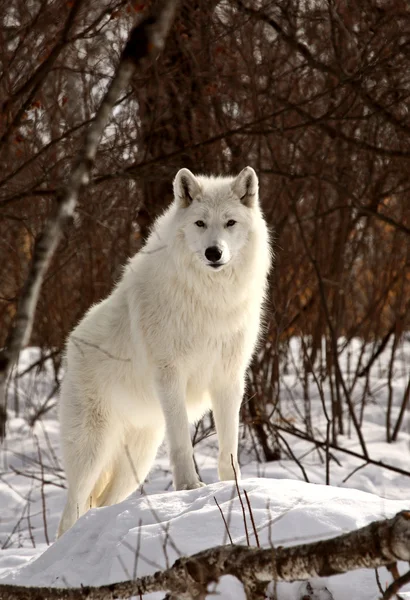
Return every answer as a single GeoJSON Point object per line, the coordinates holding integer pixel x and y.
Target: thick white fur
{"type": "Point", "coordinates": [173, 340]}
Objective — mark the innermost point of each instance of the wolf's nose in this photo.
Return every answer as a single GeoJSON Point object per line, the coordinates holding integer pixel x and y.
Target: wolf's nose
{"type": "Point", "coordinates": [213, 254]}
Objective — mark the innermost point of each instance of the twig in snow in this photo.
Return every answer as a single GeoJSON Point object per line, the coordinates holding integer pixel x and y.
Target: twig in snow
{"type": "Point", "coordinates": [5, 544]}
{"type": "Point", "coordinates": [30, 529]}
{"type": "Point", "coordinates": [224, 520]}
{"type": "Point", "coordinates": [43, 497]}
{"type": "Point", "coordinates": [370, 461]}
{"type": "Point", "coordinates": [123, 565]}
{"type": "Point", "coordinates": [37, 478]}
{"type": "Point", "coordinates": [153, 511]}
{"type": "Point", "coordinates": [240, 500]}
{"type": "Point", "coordinates": [379, 585]}
{"type": "Point", "coordinates": [294, 457]}
{"type": "Point", "coordinates": [137, 551]}
{"type": "Point", "coordinates": [354, 471]}
{"type": "Point", "coordinates": [252, 519]}
{"type": "Point", "coordinates": [150, 562]}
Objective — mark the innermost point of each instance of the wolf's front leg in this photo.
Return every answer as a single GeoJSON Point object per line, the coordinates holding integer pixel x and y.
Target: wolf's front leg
{"type": "Point", "coordinates": [172, 392]}
{"type": "Point", "coordinates": [226, 402]}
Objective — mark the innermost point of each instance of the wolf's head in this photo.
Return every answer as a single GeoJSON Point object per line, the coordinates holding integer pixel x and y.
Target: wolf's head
{"type": "Point", "coordinates": [216, 214]}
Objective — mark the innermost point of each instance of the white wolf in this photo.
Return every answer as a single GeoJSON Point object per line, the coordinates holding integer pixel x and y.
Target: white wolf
{"type": "Point", "coordinates": [173, 340]}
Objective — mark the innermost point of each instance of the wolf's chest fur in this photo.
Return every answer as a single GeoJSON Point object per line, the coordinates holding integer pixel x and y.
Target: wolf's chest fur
{"type": "Point", "coordinates": [204, 319]}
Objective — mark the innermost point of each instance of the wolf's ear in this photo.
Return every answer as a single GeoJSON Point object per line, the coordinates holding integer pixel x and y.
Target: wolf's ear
{"type": "Point", "coordinates": [246, 187]}
{"type": "Point", "coordinates": [186, 187]}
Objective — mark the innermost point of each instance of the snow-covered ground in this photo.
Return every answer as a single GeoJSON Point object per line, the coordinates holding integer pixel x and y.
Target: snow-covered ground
{"type": "Point", "coordinates": [152, 528]}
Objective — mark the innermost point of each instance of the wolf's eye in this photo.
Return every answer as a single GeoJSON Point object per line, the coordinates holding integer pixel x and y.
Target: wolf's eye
{"type": "Point", "coordinates": [200, 224]}
{"type": "Point", "coordinates": [230, 223]}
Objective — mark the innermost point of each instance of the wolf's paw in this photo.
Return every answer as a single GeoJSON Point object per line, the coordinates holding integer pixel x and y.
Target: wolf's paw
{"type": "Point", "coordinates": [192, 485]}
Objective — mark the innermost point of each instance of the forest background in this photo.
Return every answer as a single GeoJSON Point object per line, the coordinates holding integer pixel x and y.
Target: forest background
{"type": "Point", "coordinates": [314, 96]}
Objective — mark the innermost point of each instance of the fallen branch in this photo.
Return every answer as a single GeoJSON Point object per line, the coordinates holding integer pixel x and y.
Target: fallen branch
{"type": "Point", "coordinates": [146, 40]}
{"type": "Point", "coordinates": [380, 543]}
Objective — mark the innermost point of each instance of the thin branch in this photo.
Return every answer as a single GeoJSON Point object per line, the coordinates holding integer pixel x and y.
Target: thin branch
{"type": "Point", "coordinates": [353, 81]}
{"type": "Point", "coordinates": [255, 532]}
{"type": "Point", "coordinates": [368, 460]}
{"type": "Point", "coordinates": [396, 585]}
{"type": "Point", "coordinates": [241, 501]}
{"type": "Point", "coordinates": [224, 520]}
{"type": "Point", "coordinates": [37, 78]}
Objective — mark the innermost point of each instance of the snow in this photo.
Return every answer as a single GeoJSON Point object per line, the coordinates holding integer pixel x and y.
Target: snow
{"type": "Point", "coordinates": [153, 527]}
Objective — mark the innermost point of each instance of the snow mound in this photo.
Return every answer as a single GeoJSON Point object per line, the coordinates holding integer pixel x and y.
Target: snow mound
{"type": "Point", "coordinates": [147, 533]}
